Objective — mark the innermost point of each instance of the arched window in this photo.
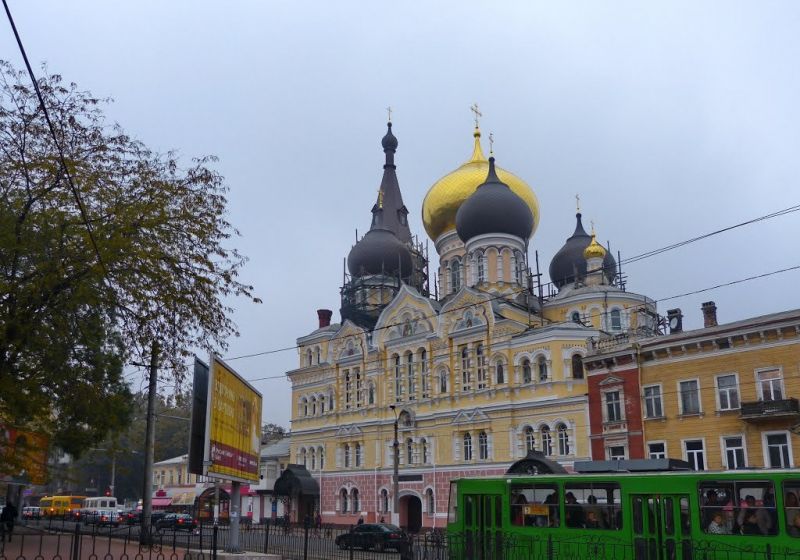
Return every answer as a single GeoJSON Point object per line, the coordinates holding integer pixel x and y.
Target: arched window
{"type": "Point", "coordinates": [530, 440]}
{"type": "Point", "coordinates": [547, 442]}
{"type": "Point", "coordinates": [412, 384]}
{"type": "Point", "coordinates": [577, 366]}
{"type": "Point", "coordinates": [359, 387]}
{"type": "Point", "coordinates": [304, 407]}
{"type": "Point", "coordinates": [385, 500]}
{"type": "Point", "coordinates": [313, 406]}
{"type": "Point", "coordinates": [616, 320]}
{"type": "Point", "coordinates": [371, 391]}
{"type": "Point", "coordinates": [354, 499]}
{"type": "Point", "coordinates": [348, 387]}
{"type": "Point", "coordinates": [346, 455]}
{"type": "Point", "coordinates": [576, 317]}
{"type": "Point", "coordinates": [321, 454]}
{"type": "Point", "coordinates": [467, 447]}
{"type": "Point", "coordinates": [322, 404]}
{"type": "Point", "coordinates": [541, 364]}
{"type": "Point", "coordinates": [358, 454]}
{"type": "Point", "coordinates": [500, 374]}
{"type": "Point", "coordinates": [520, 272]}
{"type": "Point", "coordinates": [398, 379]}
{"type": "Point", "coordinates": [429, 501]}
{"type": "Point", "coordinates": [313, 454]}
{"type": "Point", "coordinates": [527, 377]}
{"type": "Point", "coordinates": [465, 373]}
{"type": "Point", "coordinates": [343, 499]}
{"type": "Point", "coordinates": [303, 456]}
{"type": "Point", "coordinates": [483, 446]}
{"type": "Point", "coordinates": [318, 354]}
{"type": "Point", "coordinates": [563, 440]}
{"type": "Point", "coordinates": [455, 275]}
{"type": "Point", "coordinates": [481, 359]}
{"type": "Point", "coordinates": [480, 267]}
{"type": "Point", "coordinates": [425, 375]}
{"type": "Point", "coordinates": [443, 382]}
{"type": "Point", "coordinates": [424, 446]}
{"type": "Point", "coordinates": [409, 451]}
{"type": "Point", "coordinates": [309, 357]}
{"type": "Point", "coordinates": [331, 401]}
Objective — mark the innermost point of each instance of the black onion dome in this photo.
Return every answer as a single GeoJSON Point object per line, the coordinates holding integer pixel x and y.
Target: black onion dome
{"type": "Point", "coordinates": [494, 208]}
{"type": "Point", "coordinates": [570, 259]}
{"type": "Point", "coordinates": [389, 141]}
{"type": "Point", "coordinates": [379, 252]}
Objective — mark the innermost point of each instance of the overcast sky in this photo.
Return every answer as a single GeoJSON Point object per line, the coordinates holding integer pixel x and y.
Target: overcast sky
{"type": "Point", "coordinates": [670, 119]}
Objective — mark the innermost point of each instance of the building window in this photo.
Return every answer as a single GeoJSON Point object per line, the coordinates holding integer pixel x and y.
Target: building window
{"type": "Point", "coordinates": [520, 262]}
{"type": "Point", "coordinates": [313, 454]}
{"type": "Point", "coordinates": [321, 458]}
{"type": "Point", "coordinates": [348, 387]}
{"type": "Point", "coordinates": [385, 501]}
{"type": "Point", "coordinates": [481, 268]}
{"type": "Point", "coordinates": [770, 385]}
{"type": "Point", "coordinates": [657, 450]}
{"type": "Point", "coordinates": [359, 455]}
{"type": "Point", "coordinates": [695, 454]}
{"type": "Point", "coordinates": [412, 383]}
{"type": "Point", "coordinates": [467, 447]}
{"type": "Point", "coordinates": [577, 366]}
{"type": "Point", "coordinates": [430, 502]}
{"type": "Point", "coordinates": [483, 446]}
{"type": "Point", "coordinates": [547, 441]}
{"type": "Point", "coordinates": [616, 453]}
{"type": "Point", "coordinates": [527, 376]}
{"type": "Point", "coordinates": [355, 501]}
{"type": "Point", "coordinates": [616, 320]}
{"type": "Point", "coordinates": [500, 375]}
{"type": "Point", "coordinates": [542, 366]}
{"type": "Point", "coordinates": [443, 382]}
{"type": "Point", "coordinates": [576, 317]}
{"type": "Point", "coordinates": [322, 404]}
{"type": "Point", "coordinates": [563, 440]}
{"type": "Point", "coordinates": [481, 367]}
{"type": "Point", "coordinates": [309, 357]}
{"type": "Point", "coordinates": [727, 392]}
{"type": "Point", "coordinates": [652, 402]}
{"type": "Point", "coordinates": [423, 366]}
{"type": "Point", "coordinates": [530, 440]}
{"type": "Point", "coordinates": [409, 451]}
{"type": "Point", "coordinates": [303, 457]}
{"type": "Point", "coordinates": [313, 406]}
{"type": "Point", "coordinates": [778, 453]}
{"type": "Point", "coordinates": [613, 407]}
{"type": "Point", "coordinates": [371, 393]}
{"type": "Point", "coordinates": [690, 396]}
{"type": "Point", "coordinates": [466, 376]}
{"type": "Point", "coordinates": [398, 379]}
{"type": "Point", "coordinates": [346, 455]}
{"type": "Point", "coordinates": [343, 499]}
{"type": "Point", "coordinates": [304, 407]}
{"type": "Point", "coordinates": [455, 275]}
{"type": "Point", "coordinates": [734, 452]}
{"type": "Point", "coordinates": [359, 388]}
{"type": "Point", "coordinates": [424, 445]}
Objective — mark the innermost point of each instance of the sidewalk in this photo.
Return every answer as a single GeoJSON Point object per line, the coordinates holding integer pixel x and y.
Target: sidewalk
{"type": "Point", "coordinates": [30, 546]}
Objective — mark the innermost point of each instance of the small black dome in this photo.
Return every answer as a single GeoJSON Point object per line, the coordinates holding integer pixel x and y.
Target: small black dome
{"type": "Point", "coordinates": [389, 141]}
{"type": "Point", "coordinates": [494, 208]}
{"type": "Point", "coordinates": [570, 258]}
{"type": "Point", "coordinates": [379, 251]}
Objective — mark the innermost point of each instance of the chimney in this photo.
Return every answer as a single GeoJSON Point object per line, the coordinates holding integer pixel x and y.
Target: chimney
{"type": "Point", "coordinates": [675, 320]}
{"type": "Point", "coordinates": [709, 314]}
{"type": "Point", "coordinates": [324, 317]}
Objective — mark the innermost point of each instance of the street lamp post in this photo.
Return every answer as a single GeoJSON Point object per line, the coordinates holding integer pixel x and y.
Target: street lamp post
{"type": "Point", "coordinates": [396, 476]}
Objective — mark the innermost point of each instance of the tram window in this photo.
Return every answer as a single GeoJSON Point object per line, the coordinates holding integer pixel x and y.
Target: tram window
{"type": "Point", "coordinates": [593, 506]}
{"type": "Point", "coordinates": [791, 505]}
{"type": "Point", "coordinates": [468, 510]}
{"type": "Point", "coordinates": [669, 517]}
{"type": "Point", "coordinates": [535, 505]}
{"type": "Point", "coordinates": [717, 499]}
{"type": "Point", "coordinates": [686, 517]}
{"type": "Point", "coordinates": [637, 515]}
{"type": "Point", "coordinates": [738, 508]}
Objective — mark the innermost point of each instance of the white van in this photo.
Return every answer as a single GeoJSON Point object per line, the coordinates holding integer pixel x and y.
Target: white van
{"type": "Point", "coordinates": [101, 510]}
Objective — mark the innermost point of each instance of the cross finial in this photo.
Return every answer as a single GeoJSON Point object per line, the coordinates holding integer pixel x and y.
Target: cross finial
{"type": "Point", "coordinates": [491, 143]}
{"type": "Point", "coordinates": [389, 112]}
{"type": "Point", "coordinates": [592, 222]}
{"type": "Point", "coordinates": [477, 112]}
{"type": "Point", "coordinates": [578, 203]}
{"type": "Point", "coordinates": [380, 198]}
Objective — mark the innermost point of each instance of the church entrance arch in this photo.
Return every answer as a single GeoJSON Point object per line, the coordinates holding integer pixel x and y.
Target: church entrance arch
{"type": "Point", "coordinates": [411, 513]}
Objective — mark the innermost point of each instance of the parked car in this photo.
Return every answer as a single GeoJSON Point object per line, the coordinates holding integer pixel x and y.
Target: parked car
{"type": "Point", "coordinates": [134, 517]}
{"type": "Point", "coordinates": [176, 522]}
{"type": "Point", "coordinates": [379, 536]}
{"type": "Point", "coordinates": [101, 516]}
{"type": "Point", "coordinates": [31, 512]}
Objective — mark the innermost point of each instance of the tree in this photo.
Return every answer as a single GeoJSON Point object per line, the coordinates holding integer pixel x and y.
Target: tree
{"type": "Point", "coordinates": [143, 266]}
{"type": "Point", "coordinates": [271, 432]}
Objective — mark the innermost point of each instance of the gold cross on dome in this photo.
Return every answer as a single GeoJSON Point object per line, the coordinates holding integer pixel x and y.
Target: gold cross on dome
{"type": "Point", "coordinates": [592, 222]}
{"type": "Point", "coordinates": [477, 112]}
{"type": "Point", "coordinates": [389, 111]}
{"type": "Point", "coordinates": [578, 202]}
{"type": "Point", "coordinates": [491, 143]}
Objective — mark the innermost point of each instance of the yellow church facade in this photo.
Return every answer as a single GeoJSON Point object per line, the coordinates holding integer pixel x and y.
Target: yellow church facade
{"type": "Point", "coordinates": [475, 375]}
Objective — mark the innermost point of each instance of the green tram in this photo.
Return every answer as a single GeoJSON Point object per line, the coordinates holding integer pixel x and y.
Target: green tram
{"type": "Point", "coordinates": [625, 511]}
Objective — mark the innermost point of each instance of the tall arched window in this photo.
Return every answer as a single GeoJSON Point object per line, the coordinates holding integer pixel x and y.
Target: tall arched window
{"type": "Point", "coordinates": [343, 500]}
{"type": "Point", "coordinates": [398, 379]}
{"type": "Point", "coordinates": [455, 275]}
{"type": "Point", "coordinates": [313, 406]}
{"type": "Point", "coordinates": [541, 364]}
{"type": "Point", "coordinates": [547, 442]}
{"type": "Point", "coordinates": [331, 401]}
{"type": "Point", "coordinates": [318, 354]}
{"type": "Point", "coordinates": [385, 500]}
{"type": "Point", "coordinates": [616, 320]}
{"type": "Point", "coordinates": [465, 373]}
{"type": "Point", "coordinates": [429, 501]}
{"type": "Point", "coordinates": [577, 366]}
{"type": "Point", "coordinates": [443, 382]}
{"type": "Point", "coordinates": [520, 264]}
{"type": "Point", "coordinates": [500, 373]}
{"type": "Point", "coordinates": [309, 357]}
{"type": "Point", "coordinates": [303, 407]}
{"type": "Point", "coordinates": [321, 454]}
{"type": "Point", "coordinates": [530, 440]}
{"type": "Point", "coordinates": [467, 447]}
{"type": "Point", "coordinates": [313, 454]}
{"type": "Point", "coordinates": [480, 267]}
{"type": "Point", "coordinates": [354, 499]}
{"type": "Point", "coordinates": [303, 456]}
{"type": "Point", "coordinates": [359, 387]}
{"type": "Point", "coordinates": [412, 384]}
{"type": "Point", "coordinates": [481, 359]}
{"type": "Point", "coordinates": [424, 446]}
{"type": "Point", "coordinates": [371, 394]}
{"type": "Point", "coordinates": [424, 374]}
{"type": "Point", "coordinates": [527, 377]}
{"type": "Point", "coordinates": [348, 388]}
{"type": "Point", "coordinates": [409, 451]}
{"type": "Point", "coordinates": [358, 454]}
{"type": "Point", "coordinates": [483, 446]}
{"type": "Point", "coordinates": [347, 455]}
{"type": "Point", "coordinates": [322, 404]}
{"type": "Point", "coordinates": [563, 440]}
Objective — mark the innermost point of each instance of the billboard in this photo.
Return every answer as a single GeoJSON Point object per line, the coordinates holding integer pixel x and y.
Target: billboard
{"type": "Point", "coordinates": [233, 425]}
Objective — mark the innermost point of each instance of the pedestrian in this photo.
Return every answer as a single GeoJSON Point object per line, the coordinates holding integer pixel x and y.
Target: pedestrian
{"type": "Point", "coordinates": [360, 521]}
{"type": "Point", "coordinates": [383, 520]}
{"type": "Point", "coordinates": [7, 518]}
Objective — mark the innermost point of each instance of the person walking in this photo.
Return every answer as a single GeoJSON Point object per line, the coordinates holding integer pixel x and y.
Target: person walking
{"type": "Point", "coordinates": [7, 519]}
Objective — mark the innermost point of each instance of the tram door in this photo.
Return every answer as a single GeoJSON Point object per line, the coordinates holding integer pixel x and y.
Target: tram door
{"type": "Point", "coordinates": [661, 527]}
{"type": "Point", "coordinates": [483, 525]}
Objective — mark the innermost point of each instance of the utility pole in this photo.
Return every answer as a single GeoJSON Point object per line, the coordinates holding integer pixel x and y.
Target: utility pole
{"type": "Point", "coordinates": [396, 475]}
{"type": "Point", "coordinates": [149, 444]}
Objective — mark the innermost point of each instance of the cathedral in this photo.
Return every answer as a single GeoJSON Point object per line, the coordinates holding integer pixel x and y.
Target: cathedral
{"type": "Point", "coordinates": [455, 365]}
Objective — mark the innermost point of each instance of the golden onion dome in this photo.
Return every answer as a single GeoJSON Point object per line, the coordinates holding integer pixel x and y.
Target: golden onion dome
{"type": "Point", "coordinates": [447, 194]}
{"type": "Point", "coordinates": [594, 250]}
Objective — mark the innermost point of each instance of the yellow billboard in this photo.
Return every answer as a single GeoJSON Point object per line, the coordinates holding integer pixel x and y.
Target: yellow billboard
{"type": "Point", "coordinates": [233, 425]}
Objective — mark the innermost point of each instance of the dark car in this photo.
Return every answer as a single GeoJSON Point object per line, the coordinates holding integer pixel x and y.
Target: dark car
{"type": "Point", "coordinates": [134, 517]}
{"type": "Point", "coordinates": [176, 522]}
{"type": "Point", "coordinates": [379, 536]}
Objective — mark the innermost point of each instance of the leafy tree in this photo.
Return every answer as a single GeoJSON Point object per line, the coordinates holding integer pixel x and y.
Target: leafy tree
{"type": "Point", "coordinates": [271, 432]}
{"type": "Point", "coordinates": [75, 306]}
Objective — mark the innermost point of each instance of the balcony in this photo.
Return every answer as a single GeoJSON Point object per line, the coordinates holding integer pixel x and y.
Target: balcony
{"type": "Point", "coordinates": [770, 410]}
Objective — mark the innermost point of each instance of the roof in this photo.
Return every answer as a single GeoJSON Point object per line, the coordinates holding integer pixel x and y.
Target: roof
{"type": "Point", "coordinates": [296, 480]}
{"type": "Point", "coordinates": [174, 461]}
{"type": "Point", "coordinates": [278, 448]}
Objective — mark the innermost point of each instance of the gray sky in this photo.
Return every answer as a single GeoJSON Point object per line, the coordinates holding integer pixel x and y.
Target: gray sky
{"type": "Point", "coordinates": [670, 119]}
